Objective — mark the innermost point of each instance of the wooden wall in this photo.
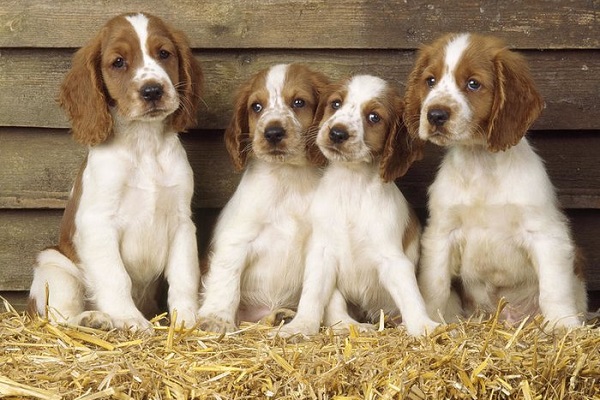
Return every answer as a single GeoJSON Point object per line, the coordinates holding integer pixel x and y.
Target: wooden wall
{"type": "Point", "coordinates": [233, 39]}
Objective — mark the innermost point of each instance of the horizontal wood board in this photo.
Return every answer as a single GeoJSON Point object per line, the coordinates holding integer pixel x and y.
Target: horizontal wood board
{"type": "Point", "coordinates": [29, 81]}
{"type": "Point", "coordinates": [375, 24]}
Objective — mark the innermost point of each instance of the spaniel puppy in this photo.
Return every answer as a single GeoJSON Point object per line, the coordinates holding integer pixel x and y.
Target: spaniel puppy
{"type": "Point", "coordinates": [128, 219]}
{"type": "Point", "coordinates": [495, 226]}
{"type": "Point", "coordinates": [258, 248]}
{"type": "Point", "coordinates": [365, 237]}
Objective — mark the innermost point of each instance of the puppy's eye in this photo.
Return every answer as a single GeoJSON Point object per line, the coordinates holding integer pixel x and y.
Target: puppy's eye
{"type": "Point", "coordinates": [256, 107]}
{"type": "Point", "coordinates": [118, 63]}
{"type": "Point", "coordinates": [164, 54]}
{"type": "Point", "coordinates": [473, 85]}
{"type": "Point", "coordinates": [373, 118]}
{"type": "Point", "coordinates": [430, 81]}
{"type": "Point", "coordinates": [298, 103]}
{"type": "Point", "coordinates": [336, 104]}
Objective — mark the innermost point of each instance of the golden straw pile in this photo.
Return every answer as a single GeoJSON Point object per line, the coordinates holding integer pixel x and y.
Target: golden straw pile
{"type": "Point", "coordinates": [471, 360]}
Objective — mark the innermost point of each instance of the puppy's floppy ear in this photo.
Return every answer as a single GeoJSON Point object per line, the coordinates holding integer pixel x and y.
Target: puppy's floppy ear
{"type": "Point", "coordinates": [400, 149]}
{"type": "Point", "coordinates": [517, 103]}
{"type": "Point", "coordinates": [313, 153]}
{"type": "Point", "coordinates": [414, 95]}
{"type": "Point", "coordinates": [84, 98]}
{"type": "Point", "coordinates": [237, 136]}
{"type": "Point", "coordinates": [191, 80]}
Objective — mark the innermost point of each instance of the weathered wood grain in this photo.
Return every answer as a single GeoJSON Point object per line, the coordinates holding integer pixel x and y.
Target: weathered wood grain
{"type": "Point", "coordinates": [383, 24]}
{"type": "Point", "coordinates": [24, 233]}
{"type": "Point", "coordinates": [37, 167]}
{"type": "Point", "coordinates": [29, 81]}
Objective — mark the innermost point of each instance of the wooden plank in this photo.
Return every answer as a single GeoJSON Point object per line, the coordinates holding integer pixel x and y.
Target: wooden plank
{"type": "Point", "coordinates": [29, 81]}
{"type": "Point", "coordinates": [37, 167]}
{"type": "Point", "coordinates": [24, 233]}
{"type": "Point", "coordinates": [383, 24]}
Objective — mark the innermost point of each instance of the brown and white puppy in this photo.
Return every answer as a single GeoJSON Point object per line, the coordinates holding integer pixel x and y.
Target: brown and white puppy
{"type": "Point", "coordinates": [258, 249]}
{"type": "Point", "coordinates": [495, 224]}
{"type": "Point", "coordinates": [130, 90]}
{"type": "Point", "coordinates": [365, 237]}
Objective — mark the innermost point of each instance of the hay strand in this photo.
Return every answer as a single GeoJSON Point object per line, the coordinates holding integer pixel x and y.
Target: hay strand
{"type": "Point", "coordinates": [471, 360]}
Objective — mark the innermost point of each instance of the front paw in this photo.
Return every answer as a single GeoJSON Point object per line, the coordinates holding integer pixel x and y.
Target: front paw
{"type": "Point", "coordinates": [185, 316]}
{"type": "Point", "coordinates": [298, 327]}
{"type": "Point", "coordinates": [558, 324]}
{"type": "Point", "coordinates": [214, 323]}
{"type": "Point", "coordinates": [423, 327]}
{"type": "Point", "coordinates": [94, 320]}
{"type": "Point", "coordinates": [133, 323]}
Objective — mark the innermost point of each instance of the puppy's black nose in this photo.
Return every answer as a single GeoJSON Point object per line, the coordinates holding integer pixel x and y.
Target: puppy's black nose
{"type": "Point", "coordinates": [274, 134]}
{"type": "Point", "coordinates": [437, 116]}
{"type": "Point", "coordinates": [151, 92]}
{"type": "Point", "coordinates": [337, 135]}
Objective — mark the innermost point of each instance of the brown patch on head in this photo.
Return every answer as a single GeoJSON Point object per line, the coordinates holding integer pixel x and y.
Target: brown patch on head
{"type": "Point", "coordinates": [254, 117]}
{"type": "Point", "coordinates": [429, 62]}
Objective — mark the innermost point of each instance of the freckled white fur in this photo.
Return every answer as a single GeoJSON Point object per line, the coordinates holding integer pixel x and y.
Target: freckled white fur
{"type": "Point", "coordinates": [355, 252]}
{"type": "Point", "coordinates": [259, 241]}
{"type": "Point", "coordinates": [495, 221]}
{"type": "Point", "coordinates": [133, 223]}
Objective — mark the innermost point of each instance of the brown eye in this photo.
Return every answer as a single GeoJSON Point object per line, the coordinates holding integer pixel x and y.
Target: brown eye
{"type": "Point", "coordinates": [164, 54]}
{"type": "Point", "coordinates": [473, 85]}
{"type": "Point", "coordinates": [256, 107]}
{"type": "Point", "coordinates": [298, 103]}
{"type": "Point", "coordinates": [119, 63]}
{"type": "Point", "coordinates": [373, 118]}
{"type": "Point", "coordinates": [430, 81]}
{"type": "Point", "coordinates": [336, 104]}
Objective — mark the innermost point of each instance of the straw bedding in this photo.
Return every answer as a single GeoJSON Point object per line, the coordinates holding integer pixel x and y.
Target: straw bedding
{"type": "Point", "coordinates": [473, 360]}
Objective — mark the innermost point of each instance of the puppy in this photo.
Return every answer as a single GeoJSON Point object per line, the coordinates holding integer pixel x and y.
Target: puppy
{"type": "Point", "coordinates": [495, 225]}
{"type": "Point", "coordinates": [365, 237]}
{"type": "Point", "coordinates": [258, 248]}
{"type": "Point", "coordinates": [128, 218]}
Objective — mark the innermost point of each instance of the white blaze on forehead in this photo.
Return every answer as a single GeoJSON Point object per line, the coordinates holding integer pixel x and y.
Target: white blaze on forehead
{"type": "Point", "coordinates": [361, 89]}
{"type": "Point", "coordinates": [454, 50]}
{"type": "Point", "coordinates": [150, 68]}
{"type": "Point", "coordinates": [275, 82]}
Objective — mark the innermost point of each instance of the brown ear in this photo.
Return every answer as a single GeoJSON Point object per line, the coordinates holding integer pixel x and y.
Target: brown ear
{"type": "Point", "coordinates": [190, 85]}
{"type": "Point", "coordinates": [237, 136]}
{"type": "Point", "coordinates": [517, 103]}
{"type": "Point", "coordinates": [313, 153]}
{"type": "Point", "coordinates": [412, 96]}
{"type": "Point", "coordinates": [400, 149]}
{"type": "Point", "coordinates": [83, 97]}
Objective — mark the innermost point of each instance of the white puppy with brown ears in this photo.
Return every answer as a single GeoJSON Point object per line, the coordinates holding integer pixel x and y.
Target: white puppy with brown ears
{"type": "Point", "coordinates": [495, 224]}
{"type": "Point", "coordinates": [365, 240]}
{"type": "Point", "coordinates": [258, 248]}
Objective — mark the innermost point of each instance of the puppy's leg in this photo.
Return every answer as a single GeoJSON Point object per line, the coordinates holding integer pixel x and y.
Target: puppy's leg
{"type": "Point", "coordinates": [434, 272]}
{"type": "Point", "coordinates": [222, 289]}
{"type": "Point", "coordinates": [57, 280]}
{"type": "Point", "coordinates": [183, 274]}
{"type": "Point", "coordinates": [338, 318]}
{"type": "Point", "coordinates": [318, 285]}
{"type": "Point", "coordinates": [553, 256]}
{"type": "Point", "coordinates": [397, 275]}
